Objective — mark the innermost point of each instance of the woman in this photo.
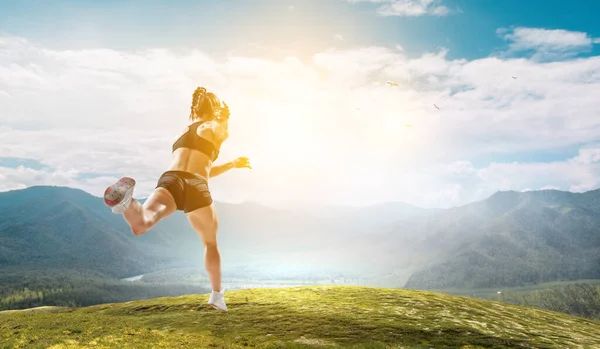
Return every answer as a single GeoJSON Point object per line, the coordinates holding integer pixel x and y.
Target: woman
{"type": "Point", "coordinates": [184, 186]}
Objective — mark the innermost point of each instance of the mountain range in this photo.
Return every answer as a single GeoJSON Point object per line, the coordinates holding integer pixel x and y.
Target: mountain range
{"type": "Point", "coordinates": [509, 239]}
{"type": "Point", "coordinates": [61, 227]}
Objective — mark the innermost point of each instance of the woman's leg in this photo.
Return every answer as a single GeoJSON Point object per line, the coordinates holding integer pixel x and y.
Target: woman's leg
{"type": "Point", "coordinates": [141, 218]}
{"type": "Point", "coordinates": [205, 223]}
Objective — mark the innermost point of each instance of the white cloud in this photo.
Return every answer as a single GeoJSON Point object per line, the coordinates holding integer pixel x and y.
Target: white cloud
{"type": "Point", "coordinates": [409, 8]}
{"type": "Point", "coordinates": [550, 187]}
{"type": "Point", "coordinates": [547, 43]}
{"type": "Point", "coordinates": [460, 182]}
{"type": "Point", "coordinates": [588, 156]}
{"type": "Point", "coordinates": [116, 113]}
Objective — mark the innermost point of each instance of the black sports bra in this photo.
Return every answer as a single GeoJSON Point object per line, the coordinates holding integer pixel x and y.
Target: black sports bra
{"type": "Point", "coordinates": [190, 139]}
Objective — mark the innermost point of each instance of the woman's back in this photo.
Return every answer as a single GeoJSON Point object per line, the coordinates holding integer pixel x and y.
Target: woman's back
{"type": "Point", "coordinates": [192, 161]}
{"type": "Point", "coordinates": [198, 147]}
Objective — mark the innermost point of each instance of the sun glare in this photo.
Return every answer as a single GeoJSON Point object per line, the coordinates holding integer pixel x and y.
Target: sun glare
{"type": "Point", "coordinates": [302, 125]}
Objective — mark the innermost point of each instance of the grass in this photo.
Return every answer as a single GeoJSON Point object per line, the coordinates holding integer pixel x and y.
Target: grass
{"type": "Point", "coordinates": [300, 317]}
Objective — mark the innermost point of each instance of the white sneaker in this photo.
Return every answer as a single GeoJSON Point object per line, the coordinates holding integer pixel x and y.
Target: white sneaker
{"type": "Point", "coordinates": [217, 300]}
{"type": "Point", "coordinates": [118, 196]}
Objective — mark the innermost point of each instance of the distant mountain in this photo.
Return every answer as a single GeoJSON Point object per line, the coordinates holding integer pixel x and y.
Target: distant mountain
{"type": "Point", "coordinates": [366, 219]}
{"type": "Point", "coordinates": [61, 227]}
{"type": "Point", "coordinates": [68, 228]}
{"type": "Point", "coordinates": [510, 239]}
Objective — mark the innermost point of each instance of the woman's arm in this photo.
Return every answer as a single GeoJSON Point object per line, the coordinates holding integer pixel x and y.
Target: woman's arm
{"type": "Point", "coordinates": [241, 162]}
{"type": "Point", "coordinates": [220, 169]}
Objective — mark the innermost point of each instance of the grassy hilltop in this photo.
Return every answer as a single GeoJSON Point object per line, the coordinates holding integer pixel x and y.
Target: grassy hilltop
{"type": "Point", "coordinates": [301, 317]}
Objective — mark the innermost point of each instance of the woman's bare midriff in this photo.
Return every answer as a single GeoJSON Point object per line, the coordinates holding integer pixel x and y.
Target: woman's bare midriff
{"type": "Point", "coordinates": [191, 160]}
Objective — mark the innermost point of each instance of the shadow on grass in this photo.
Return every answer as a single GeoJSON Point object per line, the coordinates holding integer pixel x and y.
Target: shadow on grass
{"type": "Point", "coordinates": [255, 324]}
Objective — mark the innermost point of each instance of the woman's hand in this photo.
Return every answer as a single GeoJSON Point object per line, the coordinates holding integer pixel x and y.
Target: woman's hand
{"type": "Point", "coordinates": [241, 162]}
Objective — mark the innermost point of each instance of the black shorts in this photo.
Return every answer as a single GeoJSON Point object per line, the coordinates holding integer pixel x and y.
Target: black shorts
{"type": "Point", "coordinates": [189, 190]}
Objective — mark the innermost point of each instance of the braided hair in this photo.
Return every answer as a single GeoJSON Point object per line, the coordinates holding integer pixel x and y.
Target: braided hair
{"type": "Point", "coordinates": [204, 102]}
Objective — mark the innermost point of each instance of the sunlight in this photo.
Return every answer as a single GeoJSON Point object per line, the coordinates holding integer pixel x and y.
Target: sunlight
{"type": "Point", "coordinates": [303, 127]}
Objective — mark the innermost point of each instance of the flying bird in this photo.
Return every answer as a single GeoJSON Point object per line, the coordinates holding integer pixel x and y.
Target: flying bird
{"type": "Point", "coordinates": [357, 109]}
{"type": "Point", "coordinates": [391, 83]}
{"type": "Point", "coordinates": [514, 77]}
{"type": "Point", "coordinates": [407, 125]}
{"type": "Point", "coordinates": [436, 107]}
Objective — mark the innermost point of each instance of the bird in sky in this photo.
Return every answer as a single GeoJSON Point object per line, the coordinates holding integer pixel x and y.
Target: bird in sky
{"type": "Point", "coordinates": [436, 107]}
{"type": "Point", "coordinates": [514, 77]}
{"type": "Point", "coordinates": [391, 83]}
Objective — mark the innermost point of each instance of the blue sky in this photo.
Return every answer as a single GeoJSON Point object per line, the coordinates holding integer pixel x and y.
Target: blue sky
{"type": "Point", "coordinates": [224, 25]}
{"type": "Point", "coordinates": [89, 65]}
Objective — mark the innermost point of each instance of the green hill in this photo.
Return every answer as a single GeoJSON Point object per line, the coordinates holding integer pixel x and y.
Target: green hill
{"type": "Point", "coordinates": [303, 317]}
{"type": "Point", "coordinates": [510, 239]}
